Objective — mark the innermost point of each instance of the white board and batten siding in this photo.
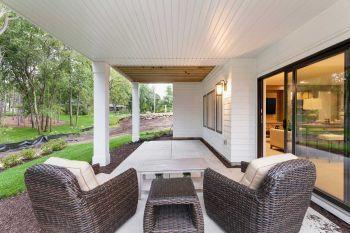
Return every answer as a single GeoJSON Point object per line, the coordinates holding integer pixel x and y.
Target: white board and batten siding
{"type": "Point", "coordinates": [187, 110]}
{"type": "Point", "coordinates": [238, 139]}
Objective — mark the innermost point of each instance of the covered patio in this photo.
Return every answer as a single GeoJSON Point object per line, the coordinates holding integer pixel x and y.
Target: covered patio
{"type": "Point", "coordinates": [213, 53]}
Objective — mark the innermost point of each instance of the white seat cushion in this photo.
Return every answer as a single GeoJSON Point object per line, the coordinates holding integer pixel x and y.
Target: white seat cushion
{"type": "Point", "coordinates": [103, 178]}
{"type": "Point", "coordinates": [258, 169]}
{"type": "Point", "coordinates": [81, 169]}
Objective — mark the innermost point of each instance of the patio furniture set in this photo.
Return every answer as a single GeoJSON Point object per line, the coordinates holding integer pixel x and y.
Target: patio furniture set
{"type": "Point", "coordinates": [72, 196]}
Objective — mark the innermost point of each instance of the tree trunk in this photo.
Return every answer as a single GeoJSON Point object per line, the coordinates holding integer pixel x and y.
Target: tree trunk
{"type": "Point", "coordinates": [50, 124]}
{"type": "Point", "coordinates": [13, 104]}
{"type": "Point", "coordinates": [46, 122]}
{"type": "Point", "coordinates": [31, 119]}
{"type": "Point", "coordinates": [5, 103]}
{"type": "Point", "coordinates": [1, 111]}
{"type": "Point", "coordinates": [77, 113]}
{"type": "Point", "coordinates": [42, 122]}
{"type": "Point", "coordinates": [70, 108]}
{"type": "Point", "coordinates": [36, 114]}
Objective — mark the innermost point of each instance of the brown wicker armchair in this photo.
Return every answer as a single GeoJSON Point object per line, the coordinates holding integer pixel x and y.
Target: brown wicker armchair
{"type": "Point", "coordinates": [61, 206]}
{"type": "Point", "coordinates": [279, 205]}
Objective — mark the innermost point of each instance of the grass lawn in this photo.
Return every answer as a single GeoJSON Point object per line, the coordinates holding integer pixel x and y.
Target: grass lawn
{"type": "Point", "coordinates": [12, 179]}
{"type": "Point", "coordinates": [8, 134]}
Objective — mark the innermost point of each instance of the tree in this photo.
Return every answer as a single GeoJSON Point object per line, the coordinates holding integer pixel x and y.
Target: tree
{"type": "Point", "coordinates": [5, 17]}
{"type": "Point", "coordinates": [45, 73]}
{"type": "Point", "coordinates": [119, 90]}
{"type": "Point", "coordinates": [168, 98]}
{"type": "Point", "coordinates": [146, 98]}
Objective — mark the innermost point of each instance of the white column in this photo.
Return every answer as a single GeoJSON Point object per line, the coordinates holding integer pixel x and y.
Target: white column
{"type": "Point", "coordinates": [135, 112]}
{"type": "Point", "coordinates": [101, 113]}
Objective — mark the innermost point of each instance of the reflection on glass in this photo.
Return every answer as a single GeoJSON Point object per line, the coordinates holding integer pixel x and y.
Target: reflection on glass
{"type": "Point", "coordinates": [289, 120]}
{"type": "Point", "coordinates": [320, 121]}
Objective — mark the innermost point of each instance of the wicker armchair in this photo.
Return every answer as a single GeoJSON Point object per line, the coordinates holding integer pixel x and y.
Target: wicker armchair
{"type": "Point", "coordinates": [279, 205]}
{"type": "Point", "coordinates": [61, 206]}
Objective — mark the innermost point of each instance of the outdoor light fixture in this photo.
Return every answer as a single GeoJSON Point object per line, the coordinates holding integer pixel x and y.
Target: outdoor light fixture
{"type": "Point", "coordinates": [221, 87]}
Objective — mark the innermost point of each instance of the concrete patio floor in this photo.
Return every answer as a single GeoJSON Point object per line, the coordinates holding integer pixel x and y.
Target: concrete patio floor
{"type": "Point", "coordinates": [180, 149]}
{"type": "Point", "coordinates": [175, 149]}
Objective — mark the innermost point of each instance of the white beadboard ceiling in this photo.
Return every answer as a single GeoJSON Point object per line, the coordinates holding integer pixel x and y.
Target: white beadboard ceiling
{"type": "Point", "coordinates": [168, 32]}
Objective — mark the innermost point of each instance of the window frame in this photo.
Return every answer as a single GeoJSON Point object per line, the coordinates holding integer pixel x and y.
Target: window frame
{"type": "Point", "coordinates": [205, 111]}
{"type": "Point", "coordinates": [206, 99]}
{"type": "Point", "coordinates": [216, 112]}
{"type": "Point", "coordinates": [214, 109]}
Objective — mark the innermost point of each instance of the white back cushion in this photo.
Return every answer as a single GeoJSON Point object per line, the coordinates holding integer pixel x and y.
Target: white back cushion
{"type": "Point", "coordinates": [81, 169]}
{"type": "Point", "coordinates": [258, 169]}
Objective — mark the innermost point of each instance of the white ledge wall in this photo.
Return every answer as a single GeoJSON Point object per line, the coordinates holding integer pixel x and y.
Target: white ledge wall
{"type": "Point", "coordinates": [187, 109]}
{"type": "Point", "coordinates": [326, 29]}
{"type": "Point", "coordinates": [239, 114]}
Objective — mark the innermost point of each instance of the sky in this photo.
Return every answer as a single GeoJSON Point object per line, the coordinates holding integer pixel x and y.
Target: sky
{"type": "Point", "coordinates": [160, 89]}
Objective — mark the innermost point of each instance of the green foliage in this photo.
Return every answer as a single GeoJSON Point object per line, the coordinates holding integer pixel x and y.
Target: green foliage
{"type": "Point", "coordinates": [48, 75]}
{"type": "Point", "coordinates": [10, 161]}
{"type": "Point", "coordinates": [146, 98]}
{"type": "Point", "coordinates": [12, 179]}
{"type": "Point", "coordinates": [120, 90]}
{"type": "Point", "coordinates": [27, 154]}
{"type": "Point", "coordinates": [53, 145]}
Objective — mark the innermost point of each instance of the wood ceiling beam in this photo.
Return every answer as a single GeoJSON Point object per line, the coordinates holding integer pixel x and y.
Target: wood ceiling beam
{"type": "Point", "coordinates": [166, 74]}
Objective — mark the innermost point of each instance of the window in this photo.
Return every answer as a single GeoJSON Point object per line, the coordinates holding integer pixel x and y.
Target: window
{"type": "Point", "coordinates": [212, 111]}
{"type": "Point", "coordinates": [205, 111]}
{"type": "Point", "coordinates": [219, 113]}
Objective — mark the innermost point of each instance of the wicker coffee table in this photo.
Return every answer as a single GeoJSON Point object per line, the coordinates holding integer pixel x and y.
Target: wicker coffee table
{"type": "Point", "coordinates": [173, 206]}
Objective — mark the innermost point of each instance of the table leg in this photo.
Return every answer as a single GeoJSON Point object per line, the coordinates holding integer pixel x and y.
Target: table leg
{"type": "Point", "coordinates": [140, 184]}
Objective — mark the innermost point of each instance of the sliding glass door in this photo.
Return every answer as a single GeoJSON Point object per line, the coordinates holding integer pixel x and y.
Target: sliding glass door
{"type": "Point", "coordinates": [288, 103]}
{"type": "Point", "coordinates": [320, 117]}
{"type": "Point", "coordinates": [316, 119]}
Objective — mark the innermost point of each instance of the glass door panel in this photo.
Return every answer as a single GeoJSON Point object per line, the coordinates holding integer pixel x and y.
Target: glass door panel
{"type": "Point", "coordinates": [288, 124]}
{"type": "Point", "coordinates": [319, 122]}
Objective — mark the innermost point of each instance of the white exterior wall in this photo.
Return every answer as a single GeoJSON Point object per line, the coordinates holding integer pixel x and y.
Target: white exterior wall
{"type": "Point", "coordinates": [238, 140]}
{"type": "Point", "coordinates": [221, 142]}
{"type": "Point", "coordinates": [187, 109]}
{"type": "Point", "coordinates": [244, 110]}
{"type": "Point", "coordinates": [328, 28]}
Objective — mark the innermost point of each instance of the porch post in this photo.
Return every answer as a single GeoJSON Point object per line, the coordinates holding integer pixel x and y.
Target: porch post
{"type": "Point", "coordinates": [101, 113]}
{"type": "Point", "coordinates": [135, 112]}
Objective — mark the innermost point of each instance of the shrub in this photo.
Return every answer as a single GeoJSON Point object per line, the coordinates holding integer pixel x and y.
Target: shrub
{"type": "Point", "coordinates": [28, 154]}
{"type": "Point", "coordinates": [46, 149]}
{"type": "Point", "coordinates": [58, 144]}
{"type": "Point", "coordinates": [53, 145]}
{"type": "Point", "coordinates": [11, 161]}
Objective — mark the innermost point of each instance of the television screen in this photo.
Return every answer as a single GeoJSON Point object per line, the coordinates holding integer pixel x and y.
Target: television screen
{"type": "Point", "coordinates": [270, 106]}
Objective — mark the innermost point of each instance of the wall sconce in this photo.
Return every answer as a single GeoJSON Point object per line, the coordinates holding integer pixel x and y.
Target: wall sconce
{"type": "Point", "coordinates": [221, 87]}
